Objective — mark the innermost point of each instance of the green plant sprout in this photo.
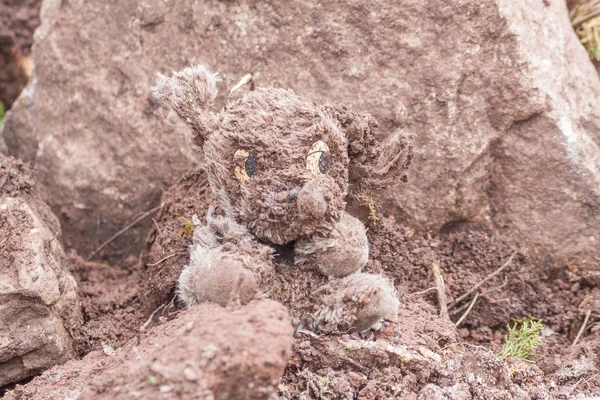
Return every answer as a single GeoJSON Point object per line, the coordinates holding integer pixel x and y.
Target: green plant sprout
{"type": "Point", "coordinates": [522, 339]}
{"type": "Point", "coordinates": [188, 228]}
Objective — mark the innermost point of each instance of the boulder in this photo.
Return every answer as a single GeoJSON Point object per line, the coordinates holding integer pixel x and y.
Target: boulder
{"type": "Point", "coordinates": [207, 352]}
{"type": "Point", "coordinates": [500, 94]}
{"type": "Point", "coordinates": [38, 299]}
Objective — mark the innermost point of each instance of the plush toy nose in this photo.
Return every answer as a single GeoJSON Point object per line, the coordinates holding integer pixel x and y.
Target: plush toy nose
{"type": "Point", "coordinates": [311, 201]}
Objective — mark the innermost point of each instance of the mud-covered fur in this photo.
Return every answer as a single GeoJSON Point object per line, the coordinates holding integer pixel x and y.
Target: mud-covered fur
{"type": "Point", "coordinates": [324, 254]}
{"type": "Point", "coordinates": [282, 168]}
{"type": "Point", "coordinates": [189, 94]}
{"type": "Point", "coordinates": [225, 262]}
{"type": "Point", "coordinates": [356, 302]}
{"type": "Point", "coordinates": [278, 128]}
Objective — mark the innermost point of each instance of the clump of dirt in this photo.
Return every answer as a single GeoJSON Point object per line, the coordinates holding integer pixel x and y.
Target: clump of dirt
{"type": "Point", "coordinates": [207, 352]}
{"type": "Point", "coordinates": [519, 291]}
{"type": "Point", "coordinates": [465, 259]}
{"type": "Point", "coordinates": [18, 20]}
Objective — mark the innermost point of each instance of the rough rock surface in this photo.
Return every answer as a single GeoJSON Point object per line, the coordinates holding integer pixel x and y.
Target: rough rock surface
{"type": "Point", "coordinates": [207, 352]}
{"type": "Point", "coordinates": [38, 298]}
{"type": "Point", "coordinates": [507, 129]}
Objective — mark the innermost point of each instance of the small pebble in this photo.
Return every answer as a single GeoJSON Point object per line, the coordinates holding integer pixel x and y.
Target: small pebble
{"type": "Point", "coordinates": [575, 287]}
{"type": "Point", "coordinates": [108, 350]}
{"type": "Point", "coordinates": [165, 389]}
{"type": "Point", "coordinates": [190, 374]}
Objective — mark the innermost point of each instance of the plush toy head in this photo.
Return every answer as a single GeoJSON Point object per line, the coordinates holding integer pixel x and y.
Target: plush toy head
{"type": "Point", "coordinates": [279, 164]}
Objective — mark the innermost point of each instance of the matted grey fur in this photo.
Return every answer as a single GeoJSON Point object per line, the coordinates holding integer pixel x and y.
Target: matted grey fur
{"type": "Point", "coordinates": [282, 168]}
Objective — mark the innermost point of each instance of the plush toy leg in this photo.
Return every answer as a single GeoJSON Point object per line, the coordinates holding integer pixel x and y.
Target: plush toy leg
{"type": "Point", "coordinates": [226, 263]}
{"type": "Point", "coordinates": [344, 251]}
{"type": "Point", "coordinates": [357, 302]}
{"type": "Point", "coordinates": [216, 276]}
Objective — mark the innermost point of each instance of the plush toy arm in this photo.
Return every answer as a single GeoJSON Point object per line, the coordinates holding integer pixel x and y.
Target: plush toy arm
{"type": "Point", "coordinates": [226, 263]}
{"type": "Point", "coordinates": [344, 251]}
{"type": "Point", "coordinates": [374, 165]}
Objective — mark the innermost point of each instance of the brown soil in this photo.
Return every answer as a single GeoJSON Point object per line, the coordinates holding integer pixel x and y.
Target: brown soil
{"type": "Point", "coordinates": [167, 243]}
{"type": "Point", "coordinates": [18, 20]}
{"type": "Point", "coordinates": [110, 299]}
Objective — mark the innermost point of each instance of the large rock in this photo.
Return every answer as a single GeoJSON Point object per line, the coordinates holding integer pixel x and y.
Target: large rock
{"type": "Point", "coordinates": [207, 353]}
{"type": "Point", "coordinates": [38, 298]}
{"type": "Point", "coordinates": [500, 94]}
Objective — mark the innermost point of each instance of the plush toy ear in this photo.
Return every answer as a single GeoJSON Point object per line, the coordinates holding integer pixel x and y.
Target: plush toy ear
{"type": "Point", "coordinates": [190, 94]}
{"type": "Point", "coordinates": [374, 165]}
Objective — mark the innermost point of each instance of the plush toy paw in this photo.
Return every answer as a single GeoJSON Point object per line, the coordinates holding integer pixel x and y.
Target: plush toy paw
{"type": "Point", "coordinates": [216, 276]}
{"type": "Point", "coordinates": [357, 303]}
{"type": "Point", "coordinates": [344, 251]}
{"type": "Point", "coordinates": [226, 263]}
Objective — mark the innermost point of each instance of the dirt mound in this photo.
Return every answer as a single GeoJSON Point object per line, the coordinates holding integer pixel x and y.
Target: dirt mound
{"type": "Point", "coordinates": [206, 352]}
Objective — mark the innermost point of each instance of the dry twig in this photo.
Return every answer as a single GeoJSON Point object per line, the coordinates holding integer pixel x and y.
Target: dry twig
{"type": "Point", "coordinates": [424, 291]}
{"type": "Point", "coordinates": [161, 260]}
{"type": "Point", "coordinates": [593, 13]}
{"type": "Point", "coordinates": [156, 226]}
{"type": "Point", "coordinates": [487, 278]}
{"type": "Point", "coordinates": [96, 264]}
{"type": "Point", "coordinates": [143, 216]}
{"type": "Point", "coordinates": [308, 333]}
{"type": "Point", "coordinates": [169, 306]}
{"type": "Point", "coordinates": [149, 320]}
{"type": "Point", "coordinates": [459, 310]}
{"type": "Point", "coordinates": [583, 326]}
{"type": "Point", "coordinates": [462, 318]}
{"type": "Point", "coordinates": [245, 79]}
{"type": "Point", "coordinates": [441, 288]}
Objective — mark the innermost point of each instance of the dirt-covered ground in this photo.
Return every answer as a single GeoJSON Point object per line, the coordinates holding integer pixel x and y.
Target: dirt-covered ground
{"type": "Point", "coordinates": [117, 301]}
{"type": "Point", "coordinates": [422, 356]}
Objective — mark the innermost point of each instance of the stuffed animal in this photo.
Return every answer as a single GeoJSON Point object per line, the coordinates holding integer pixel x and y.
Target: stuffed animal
{"type": "Point", "coordinates": [282, 168]}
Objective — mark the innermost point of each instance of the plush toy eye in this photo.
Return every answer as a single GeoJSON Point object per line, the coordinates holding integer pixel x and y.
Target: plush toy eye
{"type": "Point", "coordinates": [245, 165]}
{"type": "Point", "coordinates": [318, 160]}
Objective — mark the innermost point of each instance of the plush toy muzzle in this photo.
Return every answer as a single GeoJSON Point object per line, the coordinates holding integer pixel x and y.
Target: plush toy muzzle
{"type": "Point", "coordinates": [284, 206]}
{"type": "Point", "coordinates": [311, 201]}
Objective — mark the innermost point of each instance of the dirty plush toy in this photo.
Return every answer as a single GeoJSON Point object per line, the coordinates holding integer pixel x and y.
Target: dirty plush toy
{"type": "Point", "coordinates": [282, 168]}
